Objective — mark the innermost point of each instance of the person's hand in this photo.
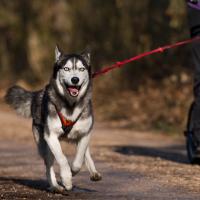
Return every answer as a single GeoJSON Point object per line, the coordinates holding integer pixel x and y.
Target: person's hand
{"type": "Point", "coordinates": [193, 1]}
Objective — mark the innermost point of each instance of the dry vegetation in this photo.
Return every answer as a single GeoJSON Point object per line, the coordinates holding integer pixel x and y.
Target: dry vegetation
{"type": "Point", "coordinates": [162, 106]}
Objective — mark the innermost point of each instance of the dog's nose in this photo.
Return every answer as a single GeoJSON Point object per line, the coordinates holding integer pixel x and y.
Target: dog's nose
{"type": "Point", "coordinates": [75, 80]}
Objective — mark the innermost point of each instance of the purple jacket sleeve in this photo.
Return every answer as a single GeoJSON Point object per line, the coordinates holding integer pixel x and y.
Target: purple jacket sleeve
{"type": "Point", "coordinates": [195, 4]}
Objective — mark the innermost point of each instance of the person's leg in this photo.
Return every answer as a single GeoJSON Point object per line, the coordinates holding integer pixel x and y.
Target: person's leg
{"type": "Point", "coordinates": [194, 23]}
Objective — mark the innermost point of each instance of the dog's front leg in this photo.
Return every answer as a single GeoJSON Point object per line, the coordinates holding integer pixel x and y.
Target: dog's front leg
{"type": "Point", "coordinates": [80, 154]}
{"type": "Point", "coordinates": [94, 174]}
{"type": "Point", "coordinates": [65, 171]}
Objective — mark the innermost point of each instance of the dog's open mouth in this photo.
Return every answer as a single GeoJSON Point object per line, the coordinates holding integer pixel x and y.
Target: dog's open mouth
{"type": "Point", "coordinates": [73, 90]}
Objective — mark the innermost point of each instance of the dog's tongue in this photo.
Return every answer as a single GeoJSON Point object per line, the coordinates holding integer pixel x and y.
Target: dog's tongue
{"type": "Point", "coordinates": [73, 91]}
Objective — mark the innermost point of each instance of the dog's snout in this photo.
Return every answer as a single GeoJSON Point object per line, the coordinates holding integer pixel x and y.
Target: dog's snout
{"type": "Point", "coordinates": [75, 80]}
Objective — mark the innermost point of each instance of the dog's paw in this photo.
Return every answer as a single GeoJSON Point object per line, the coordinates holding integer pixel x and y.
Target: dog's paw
{"type": "Point", "coordinates": [68, 188]}
{"type": "Point", "coordinates": [96, 177]}
{"type": "Point", "coordinates": [74, 173]}
{"type": "Point", "coordinates": [75, 169]}
{"type": "Point", "coordinates": [56, 189]}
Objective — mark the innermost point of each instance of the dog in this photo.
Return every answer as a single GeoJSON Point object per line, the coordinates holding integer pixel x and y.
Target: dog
{"type": "Point", "coordinates": [62, 109]}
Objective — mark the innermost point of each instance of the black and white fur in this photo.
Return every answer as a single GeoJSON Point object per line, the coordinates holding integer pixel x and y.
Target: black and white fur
{"type": "Point", "coordinates": [73, 99]}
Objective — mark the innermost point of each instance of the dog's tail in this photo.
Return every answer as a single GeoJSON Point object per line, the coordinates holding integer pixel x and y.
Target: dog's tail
{"type": "Point", "coordinates": [19, 99]}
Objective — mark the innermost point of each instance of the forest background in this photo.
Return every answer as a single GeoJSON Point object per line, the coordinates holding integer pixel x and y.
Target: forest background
{"type": "Point", "coordinates": [153, 93]}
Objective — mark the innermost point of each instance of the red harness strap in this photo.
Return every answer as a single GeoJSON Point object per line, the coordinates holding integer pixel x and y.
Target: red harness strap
{"type": "Point", "coordinates": [65, 122]}
{"type": "Point", "coordinates": [67, 125]}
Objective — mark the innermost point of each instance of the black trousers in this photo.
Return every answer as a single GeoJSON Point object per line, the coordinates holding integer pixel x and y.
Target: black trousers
{"type": "Point", "coordinates": [194, 25]}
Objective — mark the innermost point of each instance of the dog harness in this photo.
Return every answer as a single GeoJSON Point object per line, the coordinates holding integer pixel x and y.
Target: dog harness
{"type": "Point", "coordinates": [67, 125]}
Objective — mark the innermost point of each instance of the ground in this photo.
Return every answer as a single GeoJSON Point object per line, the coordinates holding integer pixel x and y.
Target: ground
{"type": "Point", "coordinates": [134, 165]}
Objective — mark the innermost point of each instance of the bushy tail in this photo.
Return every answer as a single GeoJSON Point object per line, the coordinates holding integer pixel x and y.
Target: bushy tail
{"type": "Point", "coordinates": [20, 99]}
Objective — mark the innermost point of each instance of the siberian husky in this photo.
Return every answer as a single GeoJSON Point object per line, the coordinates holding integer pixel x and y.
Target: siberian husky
{"type": "Point", "coordinates": [62, 109]}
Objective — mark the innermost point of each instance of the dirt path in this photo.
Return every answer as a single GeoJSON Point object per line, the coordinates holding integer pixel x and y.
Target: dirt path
{"type": "Point", "coordinates": [134, 165]}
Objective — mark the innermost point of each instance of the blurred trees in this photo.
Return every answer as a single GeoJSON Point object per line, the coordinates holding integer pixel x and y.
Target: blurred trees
{"type": "Point", "coordinates": [114, 30]}
{"type": "Point", "coordinates": [29, 32]}
{"type": "Point", "coordinates": [156, 88]}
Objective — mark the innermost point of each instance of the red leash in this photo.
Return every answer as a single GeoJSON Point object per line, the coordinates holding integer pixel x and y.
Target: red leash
{"type": "Point", "coordinates": [158, 50]}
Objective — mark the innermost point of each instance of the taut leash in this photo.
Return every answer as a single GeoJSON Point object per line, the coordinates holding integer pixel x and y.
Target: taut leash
{"type": "Point", "coordinates": [120, 64]}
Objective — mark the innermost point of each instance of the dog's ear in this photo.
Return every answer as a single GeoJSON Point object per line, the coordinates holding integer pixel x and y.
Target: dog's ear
{"type": "Point", "coordinates": [86, 55]}
{"type": "Point", "coordinates": [58, 53]}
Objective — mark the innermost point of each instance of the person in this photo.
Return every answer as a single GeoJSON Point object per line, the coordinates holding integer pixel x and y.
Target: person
{"type": "Point", "coordinates": [193, 127]}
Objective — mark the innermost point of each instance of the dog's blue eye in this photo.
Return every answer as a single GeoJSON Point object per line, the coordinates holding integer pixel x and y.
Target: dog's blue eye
{"type": "Point", "coordinates": [66, 68]}
{"type": "Point", "coordinates": [82, 69]}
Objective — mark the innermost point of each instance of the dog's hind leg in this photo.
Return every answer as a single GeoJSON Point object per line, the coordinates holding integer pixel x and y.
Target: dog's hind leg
{"type": "Point", "coordinates": [94, 174]}
{"type": "Point", "coordinates": [48, 158]}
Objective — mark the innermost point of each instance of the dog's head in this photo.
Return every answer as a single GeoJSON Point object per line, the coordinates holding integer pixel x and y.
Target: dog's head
{"type": "Point", "coordinates": [72, 74]}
